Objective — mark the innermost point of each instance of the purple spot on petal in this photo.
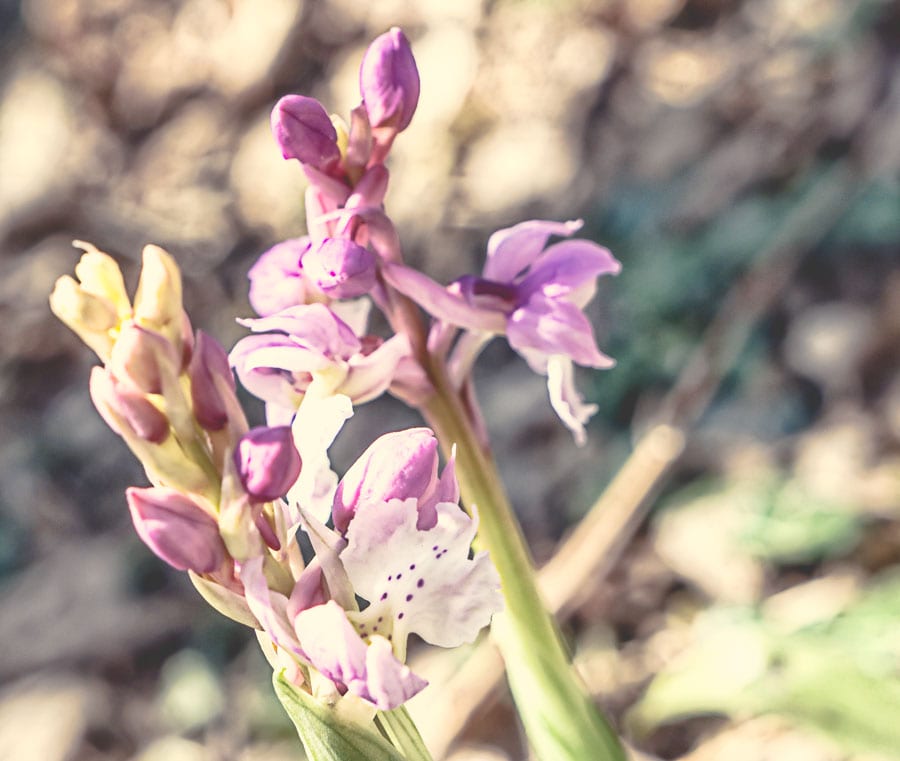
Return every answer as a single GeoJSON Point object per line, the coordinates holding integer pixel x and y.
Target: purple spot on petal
{"type": "Point", "coordinates": [420, 583]}
{"type": "Point", "coordinates": [399, 576]}
{"type": "Point", "coordinates": [400, 615]}
{"type": "Point", "coordinates": [383, 597]}
{"type": "Point", "coordinates": [412, 567]}
{"type": "Point", "coordinates": [434, 549]}
{"type": "Point", "coordinates": [408, 598]}
{"type": "Point", "coordinates": [390, 578]}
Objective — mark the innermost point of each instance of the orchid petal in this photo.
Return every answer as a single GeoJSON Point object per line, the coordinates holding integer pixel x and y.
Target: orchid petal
{"type": "Point", "coordinates": [565, 399]}
{"type": "Point", "coordinates": [511, 250]}
{"type": "Point", "coordinates": [426, 577]}
{"type": "Point", "coordinates": [316, 424]}
{"type": "Point", "coordinates": [269, 607]}
{"type": "Point", "coordinates": [328, 544]}
{"type": "Point", "coordinates": [439, 302]}
{"type": "Point", "coordinates": [310, 325]}
{"type": "Point", "coordinates": [555, 326]}
{"type": "Point", "coordinates": [566, 266]}
{"type": "Point", "coordinates": [371, 374]}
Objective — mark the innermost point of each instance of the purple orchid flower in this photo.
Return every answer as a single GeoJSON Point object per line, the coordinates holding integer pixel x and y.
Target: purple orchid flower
{"type": "Point", "coordinates": [533, 295]}
{"type": "Point", "coordinates": [297, 346]}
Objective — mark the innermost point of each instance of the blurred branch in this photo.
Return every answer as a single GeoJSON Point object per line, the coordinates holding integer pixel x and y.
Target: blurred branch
{"type": "Point", "coordinates": [585, 558]}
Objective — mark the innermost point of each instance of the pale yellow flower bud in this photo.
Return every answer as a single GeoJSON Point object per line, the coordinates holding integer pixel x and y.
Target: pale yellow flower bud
{"type": "Point", "coordinates": [100, 275]}
{"type": "Point", "coordinates": [157, 303]}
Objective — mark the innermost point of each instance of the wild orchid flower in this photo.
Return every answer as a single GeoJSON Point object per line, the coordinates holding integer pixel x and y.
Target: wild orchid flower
{"type": "Point", "coordinates": [307, 344]}
{"type": "Point", "coordinates": [413, 579]}
{"type": "Point", "coordinates": [534, 296]}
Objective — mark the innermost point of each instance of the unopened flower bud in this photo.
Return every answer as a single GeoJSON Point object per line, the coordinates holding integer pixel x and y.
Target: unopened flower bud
{"type": "Point", "coordinates": [100, 276]}
{"type": "Point", "coordinates": [389, 81]}
{"type": "Point", "coordinates": [142, 356]}
{"type": "Point", "coordinates": [400, 465]}
{"type": "Point", "coordinates": [267, 462]}
{"type": "Point", "coordinates": [157, 303]}
{"type": "Point", "coordinates": [176, 528]}
{"type": "Point", "coordinates": [211, 377]}
{"type": "Point", "coordinates": [340, 268]}
{"type": "Point", "coordinates": [304, 131]}
{"type": "Point", "coordinates": [125, 409]}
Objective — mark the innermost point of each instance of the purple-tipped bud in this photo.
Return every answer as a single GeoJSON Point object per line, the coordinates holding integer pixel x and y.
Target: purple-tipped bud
{"type": "Point", "coordinates": [400, 465]}
{"type": "Point", "coordinates": [211, 378]}
{"type": "Point", "coordinates": [125, 409]}
{"type": "Point", "coordinates": [268, 462]}
{"type": "Point", "coordinates": [176, 528]}
{"type": "Point", "coordinates": [340, 268]}
{"type": "Point", "coordinates": [389, 81]}
{"type": "Point", "coordinates": [304, 131]}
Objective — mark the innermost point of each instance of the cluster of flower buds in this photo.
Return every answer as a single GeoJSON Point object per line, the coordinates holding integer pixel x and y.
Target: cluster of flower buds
{"type": "Point", "coordinates": [170, 395]}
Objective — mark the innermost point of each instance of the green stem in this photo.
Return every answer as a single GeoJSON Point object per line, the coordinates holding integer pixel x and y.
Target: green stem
{"type": "Point", "coordinates": [400, 729]}
{"type": "Point", "coordinates": [561, 720]}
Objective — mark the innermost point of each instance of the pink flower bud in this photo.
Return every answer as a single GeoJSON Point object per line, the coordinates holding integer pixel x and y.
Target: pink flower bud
{"type": "Point", "coordinates": [267, 462]}
{"type": "Point", "coordinates": [389, 81]}
{"type": "Point", "coordinates": [125, 409]}
{"type": "Point", "coordinates": [176, 528]}
{"type": "Point", "coordinates": [304, 131]}
{"type": "Point", "coordinates": [211, 377]}
{"type": "Point", "coordinates": [400, 465]}
{"type": "Point", "coordinates": [340, 268]}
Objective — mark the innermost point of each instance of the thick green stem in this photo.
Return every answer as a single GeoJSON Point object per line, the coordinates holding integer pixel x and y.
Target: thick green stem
{"type": "Point", "coordinates": [559, 716]}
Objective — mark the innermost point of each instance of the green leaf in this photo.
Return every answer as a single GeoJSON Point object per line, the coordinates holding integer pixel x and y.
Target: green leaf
{"type": "Point", "coordinates": [324, 735]}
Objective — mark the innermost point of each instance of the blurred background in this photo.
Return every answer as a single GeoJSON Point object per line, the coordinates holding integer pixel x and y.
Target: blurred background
{"type": "Point", "coordinates": [740, 157]}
